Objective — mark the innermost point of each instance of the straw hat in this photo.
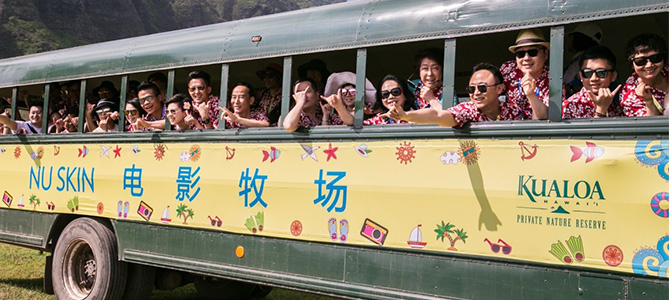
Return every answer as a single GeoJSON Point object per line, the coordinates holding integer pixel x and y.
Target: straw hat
{"type": "Point", "coordinates": [271, 68]}
{"type": "Point", "coordinates": [336, 80]}
{"type": "Point", "coordinates": [529, 37]}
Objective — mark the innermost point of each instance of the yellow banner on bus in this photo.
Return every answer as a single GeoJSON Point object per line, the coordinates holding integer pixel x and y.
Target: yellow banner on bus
{"type": "Point", "coordinates": [596, 204]}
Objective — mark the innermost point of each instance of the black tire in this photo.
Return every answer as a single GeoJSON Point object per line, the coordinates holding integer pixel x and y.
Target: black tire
{"type": "Point", "coordinates": [140, 282]}
{"type": "Point", "coordinates": [47, 283]}
{"type": "Point", "coordinates": [85, 264]}
{"type": "Point", "coordinates": [261, 291]}
{"type": "Point", "coordinates": [223, 289]}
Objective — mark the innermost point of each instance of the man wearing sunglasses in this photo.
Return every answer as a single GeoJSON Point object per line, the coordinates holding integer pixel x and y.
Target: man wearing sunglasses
{"type": "Point", "coordinates": [486, 85]}
{"type": "Point", "coordinates": [149, 96]}
{"type": "Point", "coordinates": [526, 78]}
{"type": "Point", "coordinates": [646, 90]}
{"type": "Point", "coordinates": [206, 104]}
{"type": "Point", "coordinates": [595, 99]}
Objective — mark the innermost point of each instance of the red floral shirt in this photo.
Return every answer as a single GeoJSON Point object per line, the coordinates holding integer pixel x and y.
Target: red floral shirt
{"type": "Point", "coordinates": [468, 112]}
{"type": "Point", "coordinates": [580, 106]}
{"type": "Point", "coordinates": [255, 114]}
{"type": "Point", "coordinates": [419, 102]}
{"type": "Point", "coordinates": [268, 102]}
{"type": "Point", "coordinates": [213, 112]}
{"type": "Point", "coordinates": [633, 106]}
{"type": "Point", "coordinates": [378, 119]}
{"type": "Point", "coordinates": [511, 78]}
{"type": "Point", "coordinates": [306, 121]}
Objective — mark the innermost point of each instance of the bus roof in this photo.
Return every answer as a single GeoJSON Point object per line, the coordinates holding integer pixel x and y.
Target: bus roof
{"type": "Point", "coordinates": [339, 26]}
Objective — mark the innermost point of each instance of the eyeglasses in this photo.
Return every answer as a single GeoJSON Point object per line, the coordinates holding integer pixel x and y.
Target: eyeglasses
{"type": "Point", "coordinates": [194, 88]}
{"type": "Point", "coordinates": [481, 87]}
{"type": "Point", "coordinates": [146, 99]}
{"type": "Point", "coordinates": [495, 248]}
{"type": "Point", "coordinates": [531, 53]}
{"type": "Point", "coordinates": [350, 92]}
{"type": "Point", "coordinates": [171, 111]}
{"type": "Point", "coordinates": [394, 91]}
{"type": "Point", "coordinates": [132, 112]}
{"type": "Point", "coordinates": [103, 111]}
{"type": "Point", "coordinates": [642, 60]}
{"type": "Point", "coordinates": [600, 73]}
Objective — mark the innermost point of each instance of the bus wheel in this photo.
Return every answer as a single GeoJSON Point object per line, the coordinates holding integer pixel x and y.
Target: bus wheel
{"type": "Point", "coordinates": [85, 263]}
{"type": "Point", "coordinates": [140, 282]}
{"type": "Point", "coordinates": [260, 291]}
{"type": "Point", "coordinates": [222, 289]}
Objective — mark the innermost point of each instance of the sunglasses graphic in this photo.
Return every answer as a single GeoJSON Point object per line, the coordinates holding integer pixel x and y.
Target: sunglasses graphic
{"type": "Point", "coordinates": [495, 248]}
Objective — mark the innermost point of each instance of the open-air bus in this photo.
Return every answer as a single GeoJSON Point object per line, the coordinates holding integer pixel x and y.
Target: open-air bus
{"type": "Point", "coordinates": [495, 210]}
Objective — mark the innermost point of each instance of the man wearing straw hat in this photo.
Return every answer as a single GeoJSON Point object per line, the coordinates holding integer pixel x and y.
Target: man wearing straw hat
{"type": "Point", "coordinates": [526, 78]}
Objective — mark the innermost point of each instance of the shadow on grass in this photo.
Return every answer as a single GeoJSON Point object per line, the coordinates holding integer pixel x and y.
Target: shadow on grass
{"type": "Point", "coordinates": [34, 284]}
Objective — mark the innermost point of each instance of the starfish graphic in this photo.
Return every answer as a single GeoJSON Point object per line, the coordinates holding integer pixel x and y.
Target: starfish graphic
{"type": "Point", "coordinates": [331, 152]}
{"type": "Point", "coordinates": [117, 151]}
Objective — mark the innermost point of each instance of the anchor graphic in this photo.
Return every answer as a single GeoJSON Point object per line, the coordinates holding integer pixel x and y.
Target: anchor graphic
{"type": "Point", "coordinates": [525, 151]}
{"type": "Point", "coordinates": [230, 153]}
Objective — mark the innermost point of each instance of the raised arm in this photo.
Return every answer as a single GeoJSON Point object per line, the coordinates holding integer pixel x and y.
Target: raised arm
{"type": "Point", "coordinates": [423, 116]}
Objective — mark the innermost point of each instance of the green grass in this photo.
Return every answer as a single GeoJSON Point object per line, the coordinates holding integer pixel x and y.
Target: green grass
{"type": "Point", "coordinates": [22, 271]}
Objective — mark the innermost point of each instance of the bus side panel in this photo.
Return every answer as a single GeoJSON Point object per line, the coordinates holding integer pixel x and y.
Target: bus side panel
{"type": "Point", "coordinates": [26, 228]}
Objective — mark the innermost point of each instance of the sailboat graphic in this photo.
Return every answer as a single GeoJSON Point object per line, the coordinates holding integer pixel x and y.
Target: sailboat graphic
{"type": "Point", "coordinates": [415, 238]}
{"type": "Point", "coordinates": [166, 215]}
{"type": "Point", "coordinates": [20, 205]}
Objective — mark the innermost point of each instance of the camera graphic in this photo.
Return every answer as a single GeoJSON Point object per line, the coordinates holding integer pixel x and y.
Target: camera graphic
{"type": "Point", "coordinates": [7, 199]}
{"type": "Point", "coordinates": [145, 211]}
{"type": "Point", "coordinates": [374, 232]}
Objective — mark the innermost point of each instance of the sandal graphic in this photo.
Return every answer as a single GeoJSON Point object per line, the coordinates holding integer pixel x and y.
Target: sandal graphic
{"type": "Point", "coordinates": [332, 229]}
{"type": "Point", "coordinates": [125, 209]}
{"type": "Point", "coordinates": [344, 230]}
{"type": "Point", "coordinates": [119, 208]}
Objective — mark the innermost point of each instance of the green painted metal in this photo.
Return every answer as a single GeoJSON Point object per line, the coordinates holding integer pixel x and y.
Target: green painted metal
{"type": "Point", "coordinates": [223, 100]}
{"type": "Point", "coordinates": [556, 73]}
{"type": "Point", "coordinates": [15, 92]}
{"type": "Point", "coordinates": [45, 108]}
{"type": "Point", "coordinates": [82, 106]}
{"type": "Point", "coordinates": [369, 272]}
{"type": "Point", "coordinates": [447, 72]}
{"type": "Point", "coordinates": [169, 92]}
{"type": "Point", "coordinates": [286, 90]}
{"type": "Point", "coordinates": [361, 65]}
{"type": "Point", "coordinates": [25, 228]}
{"type": "Point", "coordinates": [358, 24]}
{"type": "Point", "coordinates": [122, 104]}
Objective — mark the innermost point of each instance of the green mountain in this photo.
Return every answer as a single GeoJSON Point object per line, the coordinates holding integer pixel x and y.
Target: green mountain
{"type": "Point", "coordinates": [32, 26]}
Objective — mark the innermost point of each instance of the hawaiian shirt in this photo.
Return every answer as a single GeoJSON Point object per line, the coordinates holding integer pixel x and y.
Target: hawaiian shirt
{"type": "Point", "coordinates": [511, 79]}
{"type": "Point", "coordinates": [419, 103]}
{"type": "Point", "coordinates": [633, 106]}
{"type": "Point", "coordinates": [255, 114]}
{"type": "Point", "coordinates": [151, 118]}
{"type": "Point", "coordinates": [378, 119]}
{"type": "Point", "coordinates": [580, 106]}
{"type": "Point", "coordinates": [268, 102]}
{"type": "Point", "coordinates": [213, 112]}
{"type": "Point", "coordinates": [306, 121]}
{"type": "Point", "coordinates": [468, 112]}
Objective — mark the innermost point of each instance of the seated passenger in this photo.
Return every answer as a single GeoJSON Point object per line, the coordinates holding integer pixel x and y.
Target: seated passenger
{"type": "Point", "coordinates": [179, 109]}
{"type": "Point", "coordinates": [33, 126]}
{"type": "Point", "coordinates": [242, 116]}
{"type": "Point", "coordinates": [305, 112]}
{"type": "Point", "coordinates": [206, 105]}
{"type": "Point", "coordinates": [392, 91]}
{"type": "Point", "coordinates": [594, 100]}
{"type": "Point", "coordinates": [486, 86]}
{"type": "Point", "coordinates": [646, 89]}
{"type": "Point", "coordinates": [133, 113]}
{"type": "Point", "coordinates": [585, 36]}
{"type": "Point", "coordinates": [317, 71]}
{"type": "Point", "coordinates": [149, 97]}
{"type": "Point", "coordinates": [527, 79]}
{"type": "Point", "coordinates": [270, 97]}
{"type": "Point", "coordinates": [106, 115]}
{"type": "Point", "coordinates": [428, 88]}
{"type": "Point", "coordinates": [341, 95]}
{"type": "Point", "coordinates": [160, 80]}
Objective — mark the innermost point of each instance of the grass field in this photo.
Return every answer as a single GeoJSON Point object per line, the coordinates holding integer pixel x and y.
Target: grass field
{"type": "Point", "coordinates": [21, 274]}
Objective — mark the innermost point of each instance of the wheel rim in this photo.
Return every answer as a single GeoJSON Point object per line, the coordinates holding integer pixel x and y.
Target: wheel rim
{"type": "Point", "coordinates": [80, 269]}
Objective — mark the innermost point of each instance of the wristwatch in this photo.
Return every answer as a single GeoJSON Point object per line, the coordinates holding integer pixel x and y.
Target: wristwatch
{"type": "Point", "coordinates": [205, 121]}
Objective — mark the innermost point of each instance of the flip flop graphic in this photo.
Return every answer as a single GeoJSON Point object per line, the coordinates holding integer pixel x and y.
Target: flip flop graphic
{"type": "Point", "coordinates": [344, 230]}
{"type": "Point", "coordinates": [332, 229]}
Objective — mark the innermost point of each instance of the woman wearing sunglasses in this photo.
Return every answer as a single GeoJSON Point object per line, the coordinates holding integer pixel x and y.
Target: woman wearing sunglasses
{"type": "Point", "coordinates": [645, 91]}
{"type": "Point", "coordinates": [105, 115]}
{"type": "Point", "coordinates": [342, 93]}
{"type": "Point", "coordinates": [133, 112]}
{"type": "Point", "coordinates": [392, 91]}
{"type": "Point", "coordinates": [486, 85]}
{"type": "Point", "coordinates": [526, 78]}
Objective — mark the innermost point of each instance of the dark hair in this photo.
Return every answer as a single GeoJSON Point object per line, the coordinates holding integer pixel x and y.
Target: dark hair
{"type": "Point", "coordinates": [305, 79]}
{"type": "Point", "coordinates": [346, 84]}
{"type": "Point", "coordinates": [645, 43]}
{"type": "Point", "coordinates": [409, 96]}
{"type": "Point", "coordinates": [136, 104]}
{"type": "Point", "coordinates": [199, 75]}
{"type": "Point", "coordinates": [598, 52]}
{"type": "Point", "coordinates": [145, 85]}
{"type": "Point", "coordinates": [244, 84]}
{"type": "Point", "coordinates": [581, 42]}
{"type": "Point", "coordinates": [180, 99]}
{"type": "Point", "coordinates": [491, 68]}
{"type": "Point", "coordinates": [431, 53]}
{"type": "Point", "coordinates": [157, 76]}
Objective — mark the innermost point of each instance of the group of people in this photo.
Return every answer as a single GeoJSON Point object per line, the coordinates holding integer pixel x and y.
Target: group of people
{"type": "Point", "coordinates": [323, 98]}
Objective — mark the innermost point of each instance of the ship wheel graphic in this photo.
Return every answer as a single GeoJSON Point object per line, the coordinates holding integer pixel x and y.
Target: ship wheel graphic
{"type": "Point", "coordinates": [526, 152]}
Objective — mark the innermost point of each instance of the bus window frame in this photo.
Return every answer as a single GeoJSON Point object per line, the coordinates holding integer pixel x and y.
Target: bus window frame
{"type": "Point", "coordinates": [359, 104]}
{"type": "Point", "coordinates": [556, 40]}
{"type": "Point", "coordinates": [223, 95]}
{"type": "Point", "coordinates": [449, 73]}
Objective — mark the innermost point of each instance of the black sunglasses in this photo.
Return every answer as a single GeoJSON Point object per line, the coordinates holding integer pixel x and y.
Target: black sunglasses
{"type": "Point", "coordinates": [481, 87]}
{"type": "Point", "coordinates": [642, 60]}
{"type": "Point", "coordinates": [531, 53]}
{"type": "Point", "coordinates": [600, 73]}
{"type": "Point", "coordinates": [394, 91]}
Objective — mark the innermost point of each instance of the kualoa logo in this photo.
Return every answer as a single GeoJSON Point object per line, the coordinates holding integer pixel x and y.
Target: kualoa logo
{"type": "Point", "coordinates": [580, 194]}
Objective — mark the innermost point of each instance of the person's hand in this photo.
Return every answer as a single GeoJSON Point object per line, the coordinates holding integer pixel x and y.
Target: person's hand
{"type": "Point", "coordinates": [325, 108]}
{"type": "Point", "coordinates": [426, 94]}
{"type": "Point", "coordinates": [367, 110]}
{"type": "Point", "coordinates": [299, 97]}
{"type": "Point", "coordinates": [24, 94]}
{"type": "Point", "coordinates": [140, 124]}
{"type": "Point", "coordinates": [396, 112]}
{"type": "Point", "coordinates": [528, 85]}
{"type": "Point", "coordinates": [643, 91]}
{"type": "Point", "coordinates": [228, 115]}
{"type": "Point", "coordinates": [60, 124]}
{"type": "Point", "coordinates": [189, 119]}
{"type": "Point", "coordinates": [114, 115]}
{"type": "Point", "coordinates": [203, 109]}
{"type": "Point", "coordinates": [89, 108]}
{"type": "Point", "coordinates": [7, 99]}
{"type": "Point", "coordinates": [603, 99]}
